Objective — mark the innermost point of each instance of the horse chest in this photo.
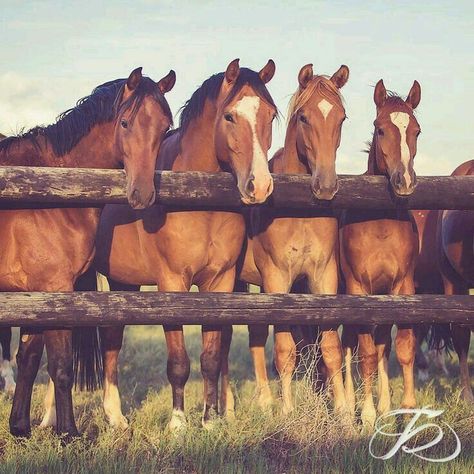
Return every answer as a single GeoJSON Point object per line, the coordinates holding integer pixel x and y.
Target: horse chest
{"type": "Point", "coordinates": [301, 244]}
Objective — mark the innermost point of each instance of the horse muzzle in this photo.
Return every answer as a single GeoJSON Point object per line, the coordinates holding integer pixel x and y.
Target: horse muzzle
{"type": "Point", "coordinates": [324, 189]}
{"type": "Point", "coordinates": [256, 191]}
{"type": "Point", "coordinates": [403, 183]}
{"type": "Point", "coordinates": [141, 197]}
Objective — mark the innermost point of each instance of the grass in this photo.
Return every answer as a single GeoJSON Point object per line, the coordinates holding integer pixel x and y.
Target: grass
{"type": "Point", "coordinates": [312, 439]}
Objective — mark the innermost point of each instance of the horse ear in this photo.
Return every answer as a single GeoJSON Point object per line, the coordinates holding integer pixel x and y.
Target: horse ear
{"type": "Point", "coordinates": [232, 71]}
{"type": "Point", "coordinates": [380, 94]}
{"type": "Point", "coordinates": [305, 75]}
{"type": "Point", "coordinates": [134, 78]}
{"type": "Point", "coordinates": [167, 83]}
{"type": "Point", "coordinates": [340, 77]}
{"type": "Point", "coordinates": [414, 96]}
{"type": "Point", "coordinates": [267, 72]}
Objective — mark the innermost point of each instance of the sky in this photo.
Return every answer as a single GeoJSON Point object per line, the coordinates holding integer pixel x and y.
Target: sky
{"type": "Point", "coordinates": [54, 52]}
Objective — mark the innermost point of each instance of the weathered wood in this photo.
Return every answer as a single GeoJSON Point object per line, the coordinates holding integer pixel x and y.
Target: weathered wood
{"type": "Point", "coordinates": [28, 186]}
{"type": "Point", "coordinates": [100, 308]}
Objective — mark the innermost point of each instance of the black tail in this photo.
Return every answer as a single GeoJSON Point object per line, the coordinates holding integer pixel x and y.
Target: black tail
{"type": "Point", "coordinates": [87, 355]}
{"type": "Point", "coordinates": [441, 337]}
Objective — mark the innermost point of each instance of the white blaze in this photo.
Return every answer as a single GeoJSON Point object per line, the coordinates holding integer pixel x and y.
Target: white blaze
{"type": "Point", "coordinates": [401, 121]}
{"type": "Point", "coordinates": [325, 107]}
{"type": "Point", "coordinates": [247, 108]}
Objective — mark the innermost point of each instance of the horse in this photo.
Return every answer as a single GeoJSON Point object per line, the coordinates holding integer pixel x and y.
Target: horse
{"type": "Point", "coordinates": [378, 252]}
{"type": "Point", "coordinates": [6, 363]}
{"type": "Point", "coordinates": [428, 280]}
{"type": "Point", "coordinates": [122, 123]}
{"type": "Point", "coordinates": [226, 126]}
{"type": "Point", "coordinates": [282, 251]}
{"type": "Point", "coordinates": [456, 262]}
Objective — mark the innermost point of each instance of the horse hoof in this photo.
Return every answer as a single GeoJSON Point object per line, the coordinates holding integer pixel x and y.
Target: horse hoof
{"type": "Point", "coordinates": [467, 396]}
{"type": "Point", "coordinates": [20, 432]}
{"type": "Point", "coordinates": [178, 421]}
{"type": "Point", "coordinates": [119, 423]}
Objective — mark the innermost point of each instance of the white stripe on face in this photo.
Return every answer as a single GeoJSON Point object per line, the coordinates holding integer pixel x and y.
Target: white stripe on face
{"type": "Point", "coordinates": [401, 121]}
{"type": "Point", "coordinates": [247, 108]}
{"type": "Point", "coordinates": [325, 107]}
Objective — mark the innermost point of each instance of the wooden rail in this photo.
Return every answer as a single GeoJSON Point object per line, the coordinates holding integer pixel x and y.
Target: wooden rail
{"type": "Point", "coordinates": [106, 308]}
{"type": "Point", "coordinates": [33, 187]}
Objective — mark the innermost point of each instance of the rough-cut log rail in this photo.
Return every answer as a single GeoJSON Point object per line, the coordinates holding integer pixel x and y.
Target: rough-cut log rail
{"type": "Point", "coordinates": [28, 186]}
{"type": "Point", "coordinates": [101, 308]}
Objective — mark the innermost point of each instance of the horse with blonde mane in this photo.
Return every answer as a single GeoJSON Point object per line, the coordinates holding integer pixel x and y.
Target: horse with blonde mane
{"type": "Point", "coordinates": [282, 250]}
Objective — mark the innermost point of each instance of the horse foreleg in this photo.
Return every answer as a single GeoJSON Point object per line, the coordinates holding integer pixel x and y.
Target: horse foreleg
{"type": "Point", "coordinates": [331, 348]}
{"type": "Point", "coordinates": [383, 343]}
{"type": "Point", "coordinates": [212, 355]}
{"type": "Point", "coordinates": [276, 281]}
{"type": "Point", "coordinates": [59, 349]}
{"type": "Point", "coordinates": [6, 363]}
{"type": "Point", "coordinates": [28, 360]}
{"type": "Point", "coordinates": [258, 335]}
{"type": "Point", "coordinates": [111, 342]}
{"type": "Point", "coordinates": [461, 340]}
{"type": "Point", "coordinates": [349, 345]}
{"type": "Point", "coordinates": [227, 397]}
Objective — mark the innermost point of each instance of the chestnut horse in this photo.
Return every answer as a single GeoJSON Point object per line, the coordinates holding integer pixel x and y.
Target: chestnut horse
{"type": "Point", "coordinates": [121, 123]}
{"type": "Point", "coordinates": [456, 261]}
{"type": "Point", "coordinates": [225, 126]}
{"type": "Point", "coordinates": [283, 250]}
{"type": "Point", "coordinates": [379, 250]}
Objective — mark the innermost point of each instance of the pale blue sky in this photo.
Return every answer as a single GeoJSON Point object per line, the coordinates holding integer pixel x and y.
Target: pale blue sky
{"type": "Point", "coordinates": [54, 52]}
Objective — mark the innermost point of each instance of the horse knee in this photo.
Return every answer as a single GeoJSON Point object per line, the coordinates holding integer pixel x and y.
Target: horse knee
{"type": "Point", "coordinates": [211, 363]}
{"type": "Point", "coordinates": [331, 350]}
{"type": "Point", "coordinates": [285, 356]}
{"type": "Point", "coordinates": [178, 368]}
{"type": "Point", "coordinates": [405, 347]}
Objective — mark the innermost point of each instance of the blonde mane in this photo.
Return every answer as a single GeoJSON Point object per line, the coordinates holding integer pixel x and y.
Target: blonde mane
{"type": "Point", "coordinates": [320, 84]}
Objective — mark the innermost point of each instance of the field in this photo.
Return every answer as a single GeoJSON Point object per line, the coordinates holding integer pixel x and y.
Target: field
{"type": "Point", "coordinates": [310, 440]}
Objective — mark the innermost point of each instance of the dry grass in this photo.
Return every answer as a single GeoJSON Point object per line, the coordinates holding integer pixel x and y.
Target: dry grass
{"type": "Point", "coordinates": [311, 439]}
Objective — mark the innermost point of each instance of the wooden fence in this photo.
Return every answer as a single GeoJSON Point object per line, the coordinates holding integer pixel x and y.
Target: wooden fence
{"type": "Point", "coordinates": [52, 187]}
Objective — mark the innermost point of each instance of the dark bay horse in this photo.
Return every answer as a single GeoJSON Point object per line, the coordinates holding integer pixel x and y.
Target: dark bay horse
{"type": "Point", "coordinates": [455, 234]}
{"type": "Point", "coordinates": [225, 126]}
{"type": "Point", "coordinates": [379, 249]}
{"type": "Point", "coordinates": [122, 123]}
{"type": "Point", "coordinates": [283, 250]}
{"type": "Point", "coordinates": [6, 362]}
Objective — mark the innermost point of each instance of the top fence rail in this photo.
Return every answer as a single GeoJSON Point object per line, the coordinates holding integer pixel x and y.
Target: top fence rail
{"type": "Point", "coordinates": [70, 187]}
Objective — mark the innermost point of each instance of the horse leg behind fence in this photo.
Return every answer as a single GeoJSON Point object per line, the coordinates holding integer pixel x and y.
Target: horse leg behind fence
{"type": "Point", "coordinates": [6, 361]}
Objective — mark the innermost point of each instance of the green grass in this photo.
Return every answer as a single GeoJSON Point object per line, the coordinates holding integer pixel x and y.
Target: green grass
{"type": "Point", "coordinates": [312, 439]}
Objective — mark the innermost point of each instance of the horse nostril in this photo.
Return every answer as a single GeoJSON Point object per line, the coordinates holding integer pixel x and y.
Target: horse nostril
{"type": "Point", "coordinates": [250, 187]}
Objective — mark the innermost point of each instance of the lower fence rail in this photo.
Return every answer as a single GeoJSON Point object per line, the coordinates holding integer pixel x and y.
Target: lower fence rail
{"type": "Point", "coordinates": [144, 308]}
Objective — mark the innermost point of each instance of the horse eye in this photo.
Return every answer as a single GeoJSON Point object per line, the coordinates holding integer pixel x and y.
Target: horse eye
{"type": "Point", "coordinates": [229, 118]}
{"type": "Point", "coordinates": [303, 118]}
{"type": "Point", "coordinates": [124, 123]}
{"type": "Point", "coordinates": [380, 132]}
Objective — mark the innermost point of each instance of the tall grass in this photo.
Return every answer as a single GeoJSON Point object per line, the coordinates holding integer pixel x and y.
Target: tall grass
{"type": "Point", "coordinates": [311, 439]}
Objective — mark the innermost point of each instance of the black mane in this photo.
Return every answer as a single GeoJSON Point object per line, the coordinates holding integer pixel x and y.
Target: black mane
{"type": "Point", "coordinates": [210, 88]}
{"type": "Point", "coordinates": [103, 105]}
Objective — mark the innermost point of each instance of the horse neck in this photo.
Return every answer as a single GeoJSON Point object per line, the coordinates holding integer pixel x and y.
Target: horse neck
{"type": "Point", "coordinates": [197, 152]}
{"type": "Point", "coordinates": [291, 162]}
{"type": "Point", "coordinates": [95, 150]}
